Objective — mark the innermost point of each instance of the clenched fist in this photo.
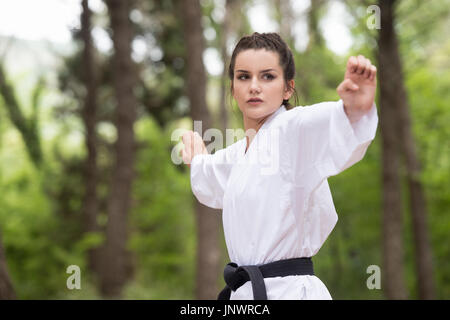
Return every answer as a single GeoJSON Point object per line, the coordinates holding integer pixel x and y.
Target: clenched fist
{"type": "Point", "coordinates": [193, 145]}
{"type": "Point", "coordinates": [357, 91]}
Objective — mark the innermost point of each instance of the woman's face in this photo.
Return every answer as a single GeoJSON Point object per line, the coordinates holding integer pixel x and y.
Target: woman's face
{"type": "Point", "coordinates": [258, 85]}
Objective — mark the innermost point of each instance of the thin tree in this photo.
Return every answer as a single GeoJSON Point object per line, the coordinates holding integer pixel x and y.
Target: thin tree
{"type": "Point", "coordinates": [207, 219]}
{"type": "Point", "coordinates": [224, 36]}
{"type": "Point", "coordinates": [314, 15]}
{"type": "Point", "coordinates": [89, 116]}
{"type": "Point", "coordinates": [316, 44]}
{"type": "Point", "coordinates": [284, 15]}
{"type": "Point", "coordinates": [389, 66]}
{"type": "Point", "coordinates": [234, 22]}
{"type": "Point", "coordinates": [28, 127]}
{"type": "Point", "coordinates": [392, 68]}
{"type": "Point", "coordinates": [116, 262]}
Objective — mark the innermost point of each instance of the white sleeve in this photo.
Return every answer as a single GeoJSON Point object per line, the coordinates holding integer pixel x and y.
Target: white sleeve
{"type": "Point", "coordinates": [327, 143]}
{"type": "Point", "coordinates": [209, 177]}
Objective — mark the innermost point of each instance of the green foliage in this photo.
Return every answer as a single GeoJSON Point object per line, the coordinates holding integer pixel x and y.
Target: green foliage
{"type": "Point", "coordinates": [36, 259]}
{"type": "Point", "coordinates": [428, 96]}
{"type": "Point", "coordinates": [355, 243]}
{"type": "Point", "coordinates": [162, 220]}
{"type": "Point", "coordinates": [319, 72]}
{"type": "Point", "coordinates": [41, 225]}
{"type": "Point", "coordinates": [424, 50]}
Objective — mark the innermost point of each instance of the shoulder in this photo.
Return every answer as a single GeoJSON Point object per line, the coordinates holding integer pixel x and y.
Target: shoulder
{"type": "Point", "coordinates": [315, 113]}
{"type": "Point", "coordinates": [317, 108]}
{"type": "Point", "coordinates": [299, 122]}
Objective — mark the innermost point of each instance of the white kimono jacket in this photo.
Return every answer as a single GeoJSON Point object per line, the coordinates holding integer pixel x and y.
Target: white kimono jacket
{"type": "Point", "coordinates": [275, 197]}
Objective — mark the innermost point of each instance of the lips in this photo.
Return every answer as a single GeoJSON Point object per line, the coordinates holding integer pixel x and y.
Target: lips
{"type": "Point", "coordinates": [254, 101]}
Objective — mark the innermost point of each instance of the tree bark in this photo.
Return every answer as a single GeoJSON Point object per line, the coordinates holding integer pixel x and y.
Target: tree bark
{"type": "Point", "coordinates": [423, 257]}
{"type": "Point", "coordinates": [314, 13]}
{"type": "Point", "coordinates": [89, 116]}
{"type": "Point", "coordinates": [423, 251]}
{"type": "Point", "coordinates": [116, 263]}
{"type": "Point", "coordinates": [6, 288]}
{"type": "Point", "coordinates": [224, 35]}
{"type": "Point", "coordinates": [393, 251]}
{"type": "Point", "coordinates": [285, 18]}
{"type": "Point", "coordinates": [233, 22]}
{"type": "Point", "coordinates": [207, 219]}
{"type": "Point", "coordinates": [315, 42]}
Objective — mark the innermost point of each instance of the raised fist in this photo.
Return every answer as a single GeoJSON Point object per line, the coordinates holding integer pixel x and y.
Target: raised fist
{"type": "Point", "coordinates": [357, 91]}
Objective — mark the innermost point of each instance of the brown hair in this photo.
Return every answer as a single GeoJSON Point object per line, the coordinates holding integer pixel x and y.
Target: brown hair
{"type": "Point", "coordinates": [272, 42]}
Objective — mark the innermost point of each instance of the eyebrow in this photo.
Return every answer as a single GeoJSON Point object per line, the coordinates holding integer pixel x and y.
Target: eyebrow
{"type": "Point", "coordinates": [263, 71]}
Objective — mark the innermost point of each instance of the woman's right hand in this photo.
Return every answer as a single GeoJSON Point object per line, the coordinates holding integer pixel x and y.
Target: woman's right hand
{"type": "Point", "coordinates": [193, 145]}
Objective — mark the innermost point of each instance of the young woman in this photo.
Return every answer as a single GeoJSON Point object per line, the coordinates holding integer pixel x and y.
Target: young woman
{"type": "Point", "coordinates": [276, 219]}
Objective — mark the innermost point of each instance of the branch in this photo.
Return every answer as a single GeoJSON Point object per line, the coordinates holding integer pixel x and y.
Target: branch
{"type": "Point", "coordinates": [27, 129]}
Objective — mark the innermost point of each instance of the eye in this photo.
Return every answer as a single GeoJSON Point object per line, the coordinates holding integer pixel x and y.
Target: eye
{"type": "Point", "coordinates": [268, 76]}
{"type": "Point", "coordinates": [242, 76]}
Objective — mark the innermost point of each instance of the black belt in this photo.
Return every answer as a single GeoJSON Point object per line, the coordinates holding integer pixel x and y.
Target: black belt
{"type": "Point", "coordinates": [236, 276]}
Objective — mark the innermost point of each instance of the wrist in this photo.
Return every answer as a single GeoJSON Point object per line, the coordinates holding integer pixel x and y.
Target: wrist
{"type": "Point", "coordinates": [353, 116]}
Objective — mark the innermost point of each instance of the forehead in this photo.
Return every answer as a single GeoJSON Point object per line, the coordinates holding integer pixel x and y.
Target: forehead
{"type": "Point", "coordinates": [259, 59]}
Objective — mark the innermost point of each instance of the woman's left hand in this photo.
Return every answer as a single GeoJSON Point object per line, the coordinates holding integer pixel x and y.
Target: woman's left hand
{"type": "Point", "coordinates": [357, 91]}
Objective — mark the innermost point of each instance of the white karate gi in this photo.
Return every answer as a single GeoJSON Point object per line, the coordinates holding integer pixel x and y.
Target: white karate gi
{"type": "Point", "coordinates": [273, 212]}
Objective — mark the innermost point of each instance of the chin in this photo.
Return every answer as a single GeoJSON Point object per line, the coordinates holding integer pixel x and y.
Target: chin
{"type": "Point", "coordinates": [259, 112]}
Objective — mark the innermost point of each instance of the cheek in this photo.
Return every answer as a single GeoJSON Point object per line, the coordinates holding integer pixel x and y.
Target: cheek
{"type": "Point", "coordinates": [277, 91]}
{"type": "Point", "coordinates": [238, 93]}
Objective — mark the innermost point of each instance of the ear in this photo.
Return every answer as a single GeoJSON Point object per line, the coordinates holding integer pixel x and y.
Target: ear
{"type": "Point", "coordinates": [289, 90]}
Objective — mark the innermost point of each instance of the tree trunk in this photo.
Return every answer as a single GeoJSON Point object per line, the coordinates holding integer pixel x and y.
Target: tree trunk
{"type": "Point", "coordinates": [314, 13]}
{"type": "Point", "coordinates": [224, 35]}
{"type": "Point", "coordinates": [393, 251]}
{"type": "Point", "coordinates": [285, 18]}
{"type": "Point", "coordinates": [207, 219]}
{"type": "Point", "coordinates": [6, 288]}
{"type": "Point", "coordinates": [116, 263]}
{"type": "Point", "coordinates": [89, 115]}
{"type": "Point", "coordinates": [307, 58]}
{"type": "Point", "coordinates": [423, 252]}
{"type": "Point", "coordinates": [406, 143]}
{"type": "Point", "coordinates": [232, 22]}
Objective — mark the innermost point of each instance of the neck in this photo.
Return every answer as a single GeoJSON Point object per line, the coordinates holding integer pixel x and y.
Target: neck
{"type": "Point", "coordinates": [251, 127]}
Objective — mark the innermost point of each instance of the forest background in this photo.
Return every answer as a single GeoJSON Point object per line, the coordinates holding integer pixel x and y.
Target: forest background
{"type": "Point", "coordinates": [89, 106]}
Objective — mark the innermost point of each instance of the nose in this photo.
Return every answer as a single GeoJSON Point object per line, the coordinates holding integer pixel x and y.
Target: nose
{"type": "Point", "coordinates": [254, 86]}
